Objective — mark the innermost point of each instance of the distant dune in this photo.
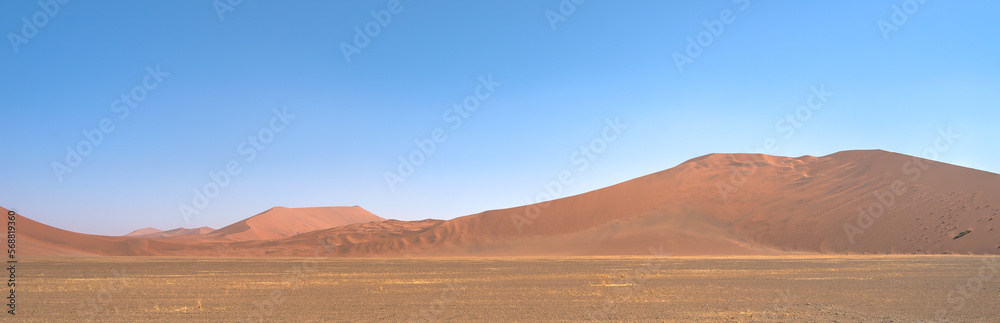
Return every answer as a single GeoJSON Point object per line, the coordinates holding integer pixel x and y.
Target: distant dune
{"type": "Point", "coordinates": [173, 233]}
{"type": "Point", "coordinates": [143, 231]}
{"type": "Point", "coordinates": [869, 201]}
{"type": "Point", "coordinates": [281, 222]}
{"type": "Point", "coordinates": [37, 239]}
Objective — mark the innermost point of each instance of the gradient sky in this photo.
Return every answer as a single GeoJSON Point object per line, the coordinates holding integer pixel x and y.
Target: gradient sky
{"type": "Point", "coordinates": [607, 60]}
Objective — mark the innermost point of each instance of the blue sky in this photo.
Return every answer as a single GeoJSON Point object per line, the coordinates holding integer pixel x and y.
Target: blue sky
{"type": "Point", "coordinates": [208, 81]}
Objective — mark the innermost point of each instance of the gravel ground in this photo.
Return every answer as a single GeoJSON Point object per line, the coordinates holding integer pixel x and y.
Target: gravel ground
{"type": "Point", "coordinates": [742, 289]}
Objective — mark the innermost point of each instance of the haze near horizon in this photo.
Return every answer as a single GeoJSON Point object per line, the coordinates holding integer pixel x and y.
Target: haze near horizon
{"type": "Point", "coordinates": [454, 109]}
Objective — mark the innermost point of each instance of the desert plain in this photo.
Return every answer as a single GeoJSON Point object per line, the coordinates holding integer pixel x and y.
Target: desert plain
{"type": "Point", "coordinates": [655, 288]}
{"type": "Point", "coordinates": [855, 236]}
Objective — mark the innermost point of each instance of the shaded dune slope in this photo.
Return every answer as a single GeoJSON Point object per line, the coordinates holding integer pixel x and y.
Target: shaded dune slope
{"type": "Point", "coordinates": [866, 201]}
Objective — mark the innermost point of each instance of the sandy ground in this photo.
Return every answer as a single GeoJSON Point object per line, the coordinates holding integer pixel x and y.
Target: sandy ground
{"type": "Point", "coordinates": [746, 289]}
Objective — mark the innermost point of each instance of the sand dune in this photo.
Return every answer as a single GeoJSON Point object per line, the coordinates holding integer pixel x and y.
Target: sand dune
{"type": "Point", "coordinates": [173, 233]}
{"type": "Point", "coordinates": [143, 231]}
{"type": "Point", "coordinates": [358, 239]}
{"type": "Point", "coordinates": [37, 239]}
{"type": "Point", "coordinates": [281, 222]}
{"type": "Point", "coordinates": [868, 201]}
{"type": "Point", "coordinates": [742, 204]}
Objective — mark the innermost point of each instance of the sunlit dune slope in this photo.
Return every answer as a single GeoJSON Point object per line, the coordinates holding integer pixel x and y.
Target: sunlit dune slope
{"type": "Point", "coordinates": [869, 201]}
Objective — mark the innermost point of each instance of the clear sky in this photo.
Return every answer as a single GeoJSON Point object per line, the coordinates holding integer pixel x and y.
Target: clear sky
{"type": "Point", "coordinates": [153, 97]}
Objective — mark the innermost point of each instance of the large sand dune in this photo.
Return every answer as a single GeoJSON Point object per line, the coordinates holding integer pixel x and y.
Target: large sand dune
{"type": "Point", "coordinates": [281, 222]}
{"type": "Point", "coordinates": [169, 233]}
{"type": "Point", "coordinates": [869, 201]}
{"type": "Point", "coordinates": [143, 232]}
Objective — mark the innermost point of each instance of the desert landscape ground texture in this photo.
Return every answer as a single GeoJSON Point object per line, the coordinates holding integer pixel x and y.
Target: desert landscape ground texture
{"type": "Point", "coordinates": [653, 288]}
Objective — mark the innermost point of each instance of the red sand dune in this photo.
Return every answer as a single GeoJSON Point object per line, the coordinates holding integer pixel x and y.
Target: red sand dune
{"type": "Point", "coordinates": [172, 233]}
{"type": "Point", "coordinates": [281, 222]}
{"type": "Point", "coordinates": [326, 242]}
{"type": "Point", "coordinates": [37, 239]}
{"type": "Point", "coordinates": [143, 231]}
{"type": "Point", "coordinates": [868, 201]}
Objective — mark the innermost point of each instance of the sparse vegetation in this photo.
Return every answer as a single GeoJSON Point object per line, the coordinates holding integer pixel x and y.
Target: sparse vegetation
{"type": "Point", "coordinates": [507, 289]}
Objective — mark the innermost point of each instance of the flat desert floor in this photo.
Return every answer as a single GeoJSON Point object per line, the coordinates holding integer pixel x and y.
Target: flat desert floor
{"type": "Point", "coordinates": [746, 289]}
